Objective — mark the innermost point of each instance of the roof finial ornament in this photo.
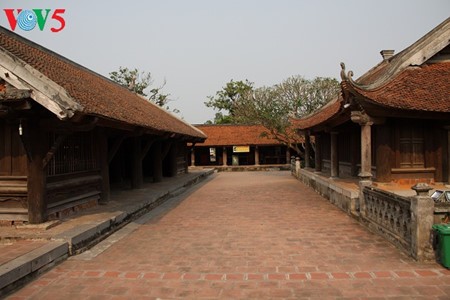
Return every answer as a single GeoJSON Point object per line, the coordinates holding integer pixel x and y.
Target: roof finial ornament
{"type": "Point", "coordinates": [344, 76]}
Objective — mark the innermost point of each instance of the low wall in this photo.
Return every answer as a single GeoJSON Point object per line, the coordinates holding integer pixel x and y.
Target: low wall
{"type": "Point", "coordinates": [342, 198]}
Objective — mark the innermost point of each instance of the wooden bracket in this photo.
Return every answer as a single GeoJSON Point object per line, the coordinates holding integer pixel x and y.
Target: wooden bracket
{"type": "Point", "coordinates": [166, 149]}
{"type": "Point", "coordinates": [115, 147]}
{"type": "Point", "coordinates": [59, 140]}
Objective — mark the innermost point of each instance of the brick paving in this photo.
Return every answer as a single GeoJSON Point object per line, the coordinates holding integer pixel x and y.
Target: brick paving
{"type": "Point", "coordinates": [12, 249]}
{"type": "Point", "coordinates": [255, 235]}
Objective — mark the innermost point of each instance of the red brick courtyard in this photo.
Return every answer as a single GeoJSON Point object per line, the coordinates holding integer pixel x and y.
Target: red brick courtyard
{"type": "Point", "coordinates": [249, 235]}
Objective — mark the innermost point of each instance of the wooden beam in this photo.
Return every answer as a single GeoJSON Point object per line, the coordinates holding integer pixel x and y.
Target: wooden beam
{"type": "Point", "coordinates": [12, 94]}
{"type": "Point", "coordinates": [166, 149]}
{"type": "Point", "coordinates": [115, 147]}
{"type": "Point", "coordinates": [147, 147]}
{"type": "Point", "coordinates": [55, 125]}
{"type": "Point", "coordinates": [59, 140]}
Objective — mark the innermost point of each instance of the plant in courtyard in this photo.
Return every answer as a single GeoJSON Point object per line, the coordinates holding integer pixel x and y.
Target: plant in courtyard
{"type": "Point", "coordinates": [274, 107]}
{"type": "Point", "coordinates": [225, 100]}
{"type": "Point", "coordinates": [141, 84]}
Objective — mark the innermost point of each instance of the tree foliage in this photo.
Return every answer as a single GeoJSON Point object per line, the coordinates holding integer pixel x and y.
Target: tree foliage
{"type": "Point", "coordinates": [274, 107]}
{"type": "Point", "coordinates": [141, 82]}
{"type": "Point", "coordinates": [225, 100]}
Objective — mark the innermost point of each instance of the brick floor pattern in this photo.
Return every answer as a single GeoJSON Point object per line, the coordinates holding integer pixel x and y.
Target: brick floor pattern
{"type": "Point", "coordinates": [255, 235]}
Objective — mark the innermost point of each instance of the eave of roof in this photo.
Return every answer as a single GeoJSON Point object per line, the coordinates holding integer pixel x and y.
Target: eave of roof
{"type": "Point", "coordinates": [235, 135]}
{"type": "Point", "coordinates": [75, 89]}
{"type": "Point", "coordinates": [321, 116]}
{"type": "Point", "coordinates": [414, 55]}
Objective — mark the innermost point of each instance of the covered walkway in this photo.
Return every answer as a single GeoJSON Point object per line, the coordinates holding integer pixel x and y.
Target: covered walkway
{"type": "Point", "coordinates": [246, 235]}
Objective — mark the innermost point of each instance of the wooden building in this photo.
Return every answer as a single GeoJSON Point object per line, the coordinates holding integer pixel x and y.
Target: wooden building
{"type": "Point", "coordinates": [68, 134]}
{"type": "Point", "coordinates": [393, 123]}
{"type": "Point", "coordinates": [238, 145]}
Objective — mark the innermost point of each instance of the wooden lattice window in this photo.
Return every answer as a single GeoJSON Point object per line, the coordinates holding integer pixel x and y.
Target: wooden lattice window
{"type": "Point", "coordinates": [76, 154]}
{"type": "Point", "coordinates": [411, 146]}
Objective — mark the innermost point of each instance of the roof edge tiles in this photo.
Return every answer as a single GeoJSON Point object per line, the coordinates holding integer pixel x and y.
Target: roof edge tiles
{"type": "Point", "coordinates": [77, 89]}
{"type": "Point", "coordinates": [414, 55]}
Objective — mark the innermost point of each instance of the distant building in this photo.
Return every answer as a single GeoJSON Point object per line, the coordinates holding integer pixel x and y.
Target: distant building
{"type": "Point", "coordinates": [67, 134]}
{"type": "Point", "coordinates": [238, 145]}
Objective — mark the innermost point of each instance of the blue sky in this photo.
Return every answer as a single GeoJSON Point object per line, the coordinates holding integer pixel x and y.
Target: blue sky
{"type": "Point", "coordinates": [199, 45]}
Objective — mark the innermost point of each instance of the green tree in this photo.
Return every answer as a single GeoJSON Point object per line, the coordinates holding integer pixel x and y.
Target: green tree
{"type": "Point", "coordinates": [274, 107]}
{"type": "Point", "coordinates": [225, 100]}
{"type": "Point", "coordinates": [140, 83]}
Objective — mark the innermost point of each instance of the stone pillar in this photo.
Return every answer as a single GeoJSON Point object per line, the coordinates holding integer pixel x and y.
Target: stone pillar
{"type": "Point", "coordinates": [334, 155]}
{"type": "Point", "coordinates": [193, 156]}
{"type": "Point", "coordinates": [256, 156]}
{"type": "Point", "coordinates": [157, 161]}
{"type": "Point", "coordinates": [297, 166]}
{"type": "Point", "coordinates": [448, 153]}
{"type": "Point", "coordinates": [365, 175]}
{"type": "Point", "coordinates": [137, 178]}
{"type": "Point", "coordinates": [366, 151]}
{"type": "Point", "coordinates": [318, 155]}
{"type": "Point", "coordinates": [224, 156]}
{"type": "Point", "coordinates": [307, 150]}
{"type": "Point", "coordinates": [422, 217]}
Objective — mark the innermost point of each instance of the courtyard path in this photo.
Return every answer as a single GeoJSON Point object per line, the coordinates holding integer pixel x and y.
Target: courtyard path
{"type": "Point", "coordinates": [249, 235]}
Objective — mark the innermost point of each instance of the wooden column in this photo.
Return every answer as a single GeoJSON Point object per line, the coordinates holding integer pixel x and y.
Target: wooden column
{"type": "Point", "coordinates": [157, 161]}
{"type": "Point", "coordinates": [173, 168]}
{"type": "Point", "coordinates": [334, 155]}
{"type": "Point", "coordinates": [318, 156]}
{"type": "Point", "coordinates": [102, 139]}
{"type": "Point", "coordinates": [257, 155]}
{"type": "Point", "coordinates": [307, 150]}
{"type": "Point", "coordinates": [288, 155]}
{"type": "Point", "coordinates": [37, 173]}
{"type": "Point", "coordinates": [224, 156]}
{"type": "Point", "coordinates": [193, 156]}
{"type": "Point", "coordinates": [137, 178]}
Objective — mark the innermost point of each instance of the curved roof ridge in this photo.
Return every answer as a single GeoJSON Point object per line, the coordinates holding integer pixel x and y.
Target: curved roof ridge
{"type": "Point", "coordinates": [416, 54]}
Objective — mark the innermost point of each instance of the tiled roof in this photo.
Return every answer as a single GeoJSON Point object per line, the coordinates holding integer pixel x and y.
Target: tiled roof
{"type": "Point", "coordinates": [325, 113]}
{"type": "Point", "coordinates": [97, 95]}
{"type": "Point", "coordinates": [235, 135]}
{"type": "Point", "coordinates": [425, 88]}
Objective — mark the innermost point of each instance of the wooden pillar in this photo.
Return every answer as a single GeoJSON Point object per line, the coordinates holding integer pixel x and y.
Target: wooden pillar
{"type": "Point", "coordinates": [334, 155]}
{"type": "Point", "coordinates": [257, 155]}
{"type": "Point", "coordinates": [307, 150]}
{"type": "Point", "coordinates": [157, 161]}
{"type": "Point", "coordinates": [104, 165]}
{"type": "Point", "coordinates": [318, 155]}
{"type": "Point", "coordinates": [37, 173]}
{"type": "Point", "coordinates": [173, 168]}
{"type": "Point", "coordinates": [288, 155]}
{"type": "Point", "coordinates": [193, 156]}
{"type": "Point", "coordinates": [224, 156]}
{"type": "Point", "coordinates": [137, 178]}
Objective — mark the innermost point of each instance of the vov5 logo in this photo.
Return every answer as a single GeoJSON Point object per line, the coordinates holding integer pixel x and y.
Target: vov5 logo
{"type": "Point", "coordinates": [27, 19]}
